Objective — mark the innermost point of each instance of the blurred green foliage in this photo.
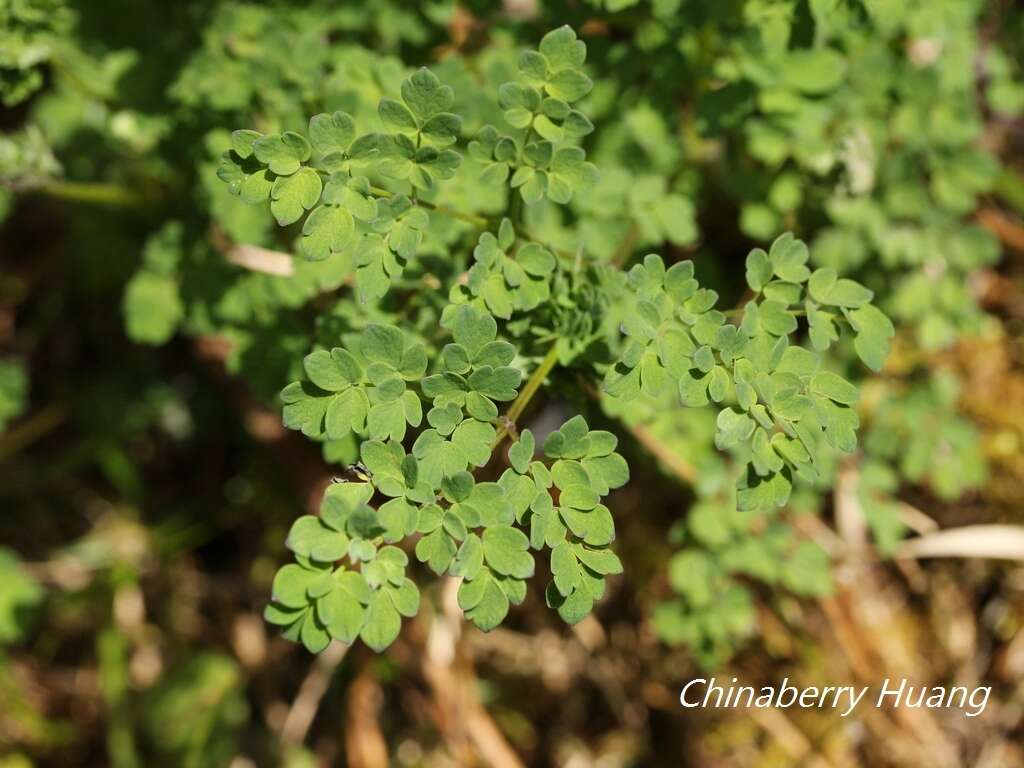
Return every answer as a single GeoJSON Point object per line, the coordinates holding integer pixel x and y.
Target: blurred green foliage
{"type": "Point", "coordinates": [396, 223]}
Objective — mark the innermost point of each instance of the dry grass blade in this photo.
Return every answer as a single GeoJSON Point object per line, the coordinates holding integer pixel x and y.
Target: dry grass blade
{"type": "Point", "coordinates": [257, 259]}
{"type": "Point", "coordinates": [989, 541]}
{"type": "Point", "coordinates": [307, 701]}
{"type": "Point", "coordinates": [252, 257]}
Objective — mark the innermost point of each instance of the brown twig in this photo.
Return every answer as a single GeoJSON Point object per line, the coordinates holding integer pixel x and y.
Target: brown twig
{"type": "Point", "coordinates": [35, 427]}
{"type": "Point", "coordinates": [672, 460]}
{"type": "Point", "coordinates": [1006, 228]}
{"type": "Point", "coordinates": [985, 541]}
{"type": "Point", "coordinates": [307, 700]}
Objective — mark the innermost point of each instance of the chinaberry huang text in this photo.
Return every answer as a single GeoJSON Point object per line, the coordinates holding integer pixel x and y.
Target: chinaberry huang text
{"type": "Point", "coordinates": [712, 693]}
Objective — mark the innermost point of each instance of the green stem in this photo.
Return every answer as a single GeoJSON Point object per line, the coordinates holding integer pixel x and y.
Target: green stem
{"type": "Point", "coordinates": [470, 218]}
{"type": "Point", "coordinates": [514, 214]}
{"type": "Point", "coordinates": [527, 393]}
{"type": "Point", "coordinates": [515, 203]}
{"type": "Point", "coordinates": [738, 312]}
{"type": "Point", "coordinates": [61, 68]}
{"type": "Point", "coordinates": [92, 192]}
{"type": "Point", "coordinates": [625, 249]}
{"type": "Point", "coordinates": [515, 208]}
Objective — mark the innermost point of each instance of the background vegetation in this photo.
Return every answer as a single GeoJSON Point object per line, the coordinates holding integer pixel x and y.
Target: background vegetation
{"type": "Point", "coordinates": [149, 319]}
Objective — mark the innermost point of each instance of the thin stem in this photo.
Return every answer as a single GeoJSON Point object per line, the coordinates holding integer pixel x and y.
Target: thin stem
{"type": "Point", "coordinates": [671, 460]}
{"type": "Point", "coordinates": [33, 428]}
{"type": "Point", "coordinates": [92, 192]}
{"type": "Point", "coordinates": [738, 312]}
{"type": "Point", "coordinates": [81, 85]}
{"type": "Point", "coordinates": [625, 249]}
{"type": "Point", "coordinates": [527, 393]}
{"type": "Point", "coordinates": [311, 692]}
{"type": "Point", "coordinates": [515, 208]}
{"type": "Point", "coordinates": [471, 218]}
{"type": "Point", "coordinates": [485, 221]}
{"type": "Point", "coordinates": [515, 203]}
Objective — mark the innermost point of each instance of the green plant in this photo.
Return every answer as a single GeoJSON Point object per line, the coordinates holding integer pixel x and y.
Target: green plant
{"type": "Point", "coordinates": [13, 391]}
{"type": "Point", "coordinates": [29, 32]}
{"type": "Point", "coordinates": [350, 579]}
{"type": "Point", "coordinates": [453, 240]}
{"type": "Point", "coordinates": [20, 596]}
